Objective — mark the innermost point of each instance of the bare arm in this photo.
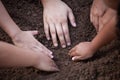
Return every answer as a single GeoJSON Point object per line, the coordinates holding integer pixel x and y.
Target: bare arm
{"type": "Point", "coordinates": [85, 50]}
{"type": "Point", "coordinates": [11, 56]}
{"type": "Point", "coordinates": [107, 34]}
{"type": "Point", "coordinates": [6, 23]}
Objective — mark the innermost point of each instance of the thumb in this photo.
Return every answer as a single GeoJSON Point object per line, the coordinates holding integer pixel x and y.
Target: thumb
{"type": "Point", "coordinates": [77, 58]}
{"type": "Point", "coordinates": [71, 18]}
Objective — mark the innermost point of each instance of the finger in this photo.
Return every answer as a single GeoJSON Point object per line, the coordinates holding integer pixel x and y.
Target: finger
{"type": "Point", "coordinates": [53, 34]}
{"type": "Point", "coordinates": [77, 58]}
{"type": "Point", "coordinates": [100, 25]}
{"type": "Point", "coordinates": [40, 50]}
{"type": "Point", "coordinates": [41, 47]}
{"type": "Point", "coordinates": [96, 22]}
{"type": "Point", "coordinates": [46, 29]}
{"type": "Point", "coordinates": [91, 16]}
{"type": "Point", "coordinates": [93, 21]}
{"type": "Point", "coordinates": [66, 33]}
{"type": "Point", "coordinates": [72, 49]}
{"type": "Point", "coordinates": [73, 52]}
{"type": "Point", "coordinates": [92, 13]}
{"type": "Point", "coordinates": [44, 48]}
{"type": "Point", "coordinates": [45, 51]}
{"type": "Point", "coordinates": [71, 18]}
{"type": "Point", "coordinates": [50, 55]}
{"type": "Point", "coordinates": [34, 32]}
{"type": "Point", "coordinates": [94, 17]}
{"type": "Point", "coordinates": [60, 35]}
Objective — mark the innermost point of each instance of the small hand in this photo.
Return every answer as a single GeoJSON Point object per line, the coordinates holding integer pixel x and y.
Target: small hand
{"type": "Point", "coordinates": [25, 39]}
{"type": "Point", "coordinates": [82, 51]}
{"type": "Point", "coordinates": [55, 17]}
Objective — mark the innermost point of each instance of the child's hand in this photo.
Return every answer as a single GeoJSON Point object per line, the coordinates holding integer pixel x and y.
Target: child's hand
{"type": "Point", "coordinates": [55, 17]}
{"type": "Point", "coordinates": [25, 39]}
{"type": "Point", "coordinates": [45, 63]}
{"type": "Point", "coordinates": [82, 51]}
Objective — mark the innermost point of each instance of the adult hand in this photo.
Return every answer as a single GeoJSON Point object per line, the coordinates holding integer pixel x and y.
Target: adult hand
{"type": "Point", "coordinates": [56, 14]}
{"type": "Point", "coordinates": [25, 39]}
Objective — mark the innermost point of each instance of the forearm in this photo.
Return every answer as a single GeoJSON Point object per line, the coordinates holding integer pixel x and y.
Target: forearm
{"type": "Point", "coordinates": [6, 23]}
{"type": "Point", "coordinates": [107, 34]}
{"type": "Point", "coordinates": [11, 56]}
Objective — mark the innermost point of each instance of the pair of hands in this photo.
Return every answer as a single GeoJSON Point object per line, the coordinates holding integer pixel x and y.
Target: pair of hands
{"type": "Point", "coordinates": [26, 40]}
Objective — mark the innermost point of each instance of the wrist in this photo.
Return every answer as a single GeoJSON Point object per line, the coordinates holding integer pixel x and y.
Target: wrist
{"type": "Point", "coordinates": [10, 28]}
{"type": "Point", "coordinates": [15, 33]}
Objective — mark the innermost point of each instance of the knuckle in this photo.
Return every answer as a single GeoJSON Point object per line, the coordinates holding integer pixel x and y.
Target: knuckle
{"type": "Point", "coordinates": [62, 39]}
{"type": "Point", "coordinates": [76, 52]}
{"type": "Point", "coordinates": [53, 32]}
{"type": "Point", "coordinates": [57, 20]}
{"type": "Point", "coordinates": [62, 20]}
{"type": "Point", "coordinates": [60, 34]}
{"type": "Point", "coordinates": [66, 32]}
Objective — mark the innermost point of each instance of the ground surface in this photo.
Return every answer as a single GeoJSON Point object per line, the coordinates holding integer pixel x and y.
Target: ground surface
{"type": "Point", "coordinates": [105, 65]}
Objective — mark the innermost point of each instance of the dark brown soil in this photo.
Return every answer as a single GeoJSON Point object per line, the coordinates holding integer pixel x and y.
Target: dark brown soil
{"type": "Point", "coordinates": [105, 65]}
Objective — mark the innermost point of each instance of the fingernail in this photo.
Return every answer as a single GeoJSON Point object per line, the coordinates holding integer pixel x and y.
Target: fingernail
{"type": "Point", "coordinates": [68, 44]}
{"type": "Point", "coordinates": [63, 46]}
{"type": "Point", "coordinates": [52, 56]}
{"type": "Point", "coordinates": [73, 58]}
{"type": "Point", "coordinates": [74, 24]}
{"type": "Point", "coordinates": [51, 53]}
{"type": "Point", "coordinates": [56, 45]}
{"type": "Point", "coordinates": [48, 38]}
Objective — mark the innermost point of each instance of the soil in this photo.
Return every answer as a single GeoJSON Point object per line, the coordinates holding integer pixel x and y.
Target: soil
{"type": "Point", "coordinates": [105, 65]}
